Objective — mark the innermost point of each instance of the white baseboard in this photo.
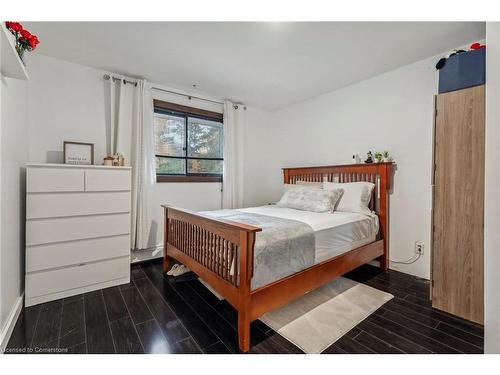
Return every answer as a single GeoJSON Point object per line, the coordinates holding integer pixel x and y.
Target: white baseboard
{"type": "Point", "coordinates": [10, 323]}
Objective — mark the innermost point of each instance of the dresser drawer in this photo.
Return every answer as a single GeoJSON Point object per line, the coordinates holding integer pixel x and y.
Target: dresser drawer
{"type": "Point", "coordinates": [108, 180]}
{"type": "Point", "coordinates": [53, 281]}
{"type": "Point", "coordinates": [75, 252]}
{"type": "Point", "coordinates": [41, 180]}
{"type": "Point", "coordinates": [44, 231]}
{"type": "Point", "coordinates": [76, 204]}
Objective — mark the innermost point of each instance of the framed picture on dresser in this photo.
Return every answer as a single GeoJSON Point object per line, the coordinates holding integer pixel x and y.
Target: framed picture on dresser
{"type": "Point", "coordinates": [78, 153]}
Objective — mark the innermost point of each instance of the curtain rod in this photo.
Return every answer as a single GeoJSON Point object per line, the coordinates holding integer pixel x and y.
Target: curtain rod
{"type": "Point", "coordinates": [186, 95]}
{"type": "Point", "coordinates": [107, 77]}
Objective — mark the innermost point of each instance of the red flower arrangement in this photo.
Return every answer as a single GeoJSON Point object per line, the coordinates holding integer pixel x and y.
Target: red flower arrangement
{"type": "Point", "coordinates": [25, 41]}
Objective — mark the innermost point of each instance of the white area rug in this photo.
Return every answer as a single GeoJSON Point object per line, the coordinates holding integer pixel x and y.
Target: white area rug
{"type": "Point", "coordinates": [316, 320]}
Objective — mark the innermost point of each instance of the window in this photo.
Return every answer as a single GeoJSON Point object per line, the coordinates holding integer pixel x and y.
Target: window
{"type": "Point", "coordinates": [188, 143]}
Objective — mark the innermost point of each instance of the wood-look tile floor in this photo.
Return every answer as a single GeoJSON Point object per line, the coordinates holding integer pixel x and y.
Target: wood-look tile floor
{"type": "Point", "coordinates": [161, 314]}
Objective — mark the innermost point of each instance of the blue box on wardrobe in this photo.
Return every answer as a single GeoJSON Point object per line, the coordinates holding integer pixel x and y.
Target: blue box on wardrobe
{"type": "Point", "coordinates": [466, 69]}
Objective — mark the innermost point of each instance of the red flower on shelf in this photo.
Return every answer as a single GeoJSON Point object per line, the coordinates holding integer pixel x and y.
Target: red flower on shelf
{"type": "Point", "coordinates": [15, 27]}
{"type": "Point", "coordinates": [25, 41]}
{"type": "Point", "coordinates": [33, 41]}
{"type": "Point", "coordinates": [25, 33]}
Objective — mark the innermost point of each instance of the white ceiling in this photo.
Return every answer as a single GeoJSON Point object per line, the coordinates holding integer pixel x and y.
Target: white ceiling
{"type": "Point", "coordinates": [268, 65]}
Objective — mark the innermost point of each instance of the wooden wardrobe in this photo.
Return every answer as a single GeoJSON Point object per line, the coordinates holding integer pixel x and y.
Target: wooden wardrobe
{"type": "Point", "coordinates": [458, 203]}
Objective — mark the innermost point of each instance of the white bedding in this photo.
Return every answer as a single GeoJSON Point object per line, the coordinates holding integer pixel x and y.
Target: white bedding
{"type": "Point", "coordinates": [335, 233]}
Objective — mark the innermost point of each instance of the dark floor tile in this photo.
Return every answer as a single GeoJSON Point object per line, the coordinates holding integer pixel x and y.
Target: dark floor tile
{"type": "Point", "coordinates": [125, 337]}
{"type": "Point", "coordinates": [399, 284]}
{"type": "Point", "coordinates": [136, 305]}
{"type": "Point", "coordinates": [22, 335]}
{"type": "Point", "coordinates": [98, 333]}
{"type": "Point", "coordinates": [163, 287]}
{"type": "Point", "coordinates": [200, 332]}
{"type": "Point", "coordinates": [421, 286]}
{"type": "Point", "coordinates": [93, 294]}
{"type": "Point", "coordinates": [260, 326]}
{"type": "Point", "coordinates": [352, 347]}
{"type": "Point", "coordinates": [419, 301]}
{"type": "Point", "coordinates": [152, 338]}
{"type": "Point", "coordinates": [72, 324]}
{"type": "Point", "coordinates": [432, 333]}
{"type": "Point", "coordinates": [363, 273]}
{"type": "Point", "coordinates": [334, 349]}
{"type": "Point", "coordinates": [396, 278]}
{"type": "Point", "coordinates": [281, 344]}
{"type": "Point", "coordinates": [172, 327]}
{"type": "Point", "coordinates": [395, 291]}
{"type": "Point", "coordinates": [411, 335]}
{"type": "Point", "coordinates": [395, 340]}
{"type": "Point", "coordinates": [188, 318]}
{"type": "Point", "coordinates": [186, 346]}
{"type": "Point", "coordinates": [395, 306]}
{"type": "Point", "coordinates": [219, 305]}
{"type": "Point", "coordinates": [115, 306]}
{"type": "Point", "coordinates": [267, 345]}
{"type": "Point", "coordinates": [465, 336]}
{"type": "Point", "coordinates": [78, 297]}
{"type": "Point", "coordinates": [217, 348]}
{"type": "Point", "coordinates": [378, 346]}
{"type": "Point", "coordinates": [136, 272]}
{"type": "Point", "coordinates": [353, 332]}
{"type": "Point", "coordinates": [50, 347]}
{"type": "Point", "coordinates": [49, 323]}
{"type": "Point", "coordinates": [78, 349]}
{"type": "Point", "coordinates": [210, 317]}
{"type": "Point", "coordinates": [444, 317]}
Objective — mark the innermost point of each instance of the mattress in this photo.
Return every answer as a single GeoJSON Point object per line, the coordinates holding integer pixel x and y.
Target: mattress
{"type": "Point", "coordinates": [335, 233]}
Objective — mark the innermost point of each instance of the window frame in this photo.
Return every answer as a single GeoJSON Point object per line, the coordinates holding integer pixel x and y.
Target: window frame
{"type": "Point", "coordinates": [179, 110]}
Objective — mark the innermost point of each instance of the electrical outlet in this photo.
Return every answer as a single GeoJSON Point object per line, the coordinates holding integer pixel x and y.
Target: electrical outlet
{"type": "Point", "coordinates": [419, 247]}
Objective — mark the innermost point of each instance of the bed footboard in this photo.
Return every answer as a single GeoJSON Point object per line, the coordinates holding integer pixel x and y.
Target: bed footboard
{"type": "Point", "coordinates": [219, 251]}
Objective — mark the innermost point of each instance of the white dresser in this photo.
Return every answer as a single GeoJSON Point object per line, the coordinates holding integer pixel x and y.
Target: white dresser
{"type": "Point", "coordinates": [77, 229]}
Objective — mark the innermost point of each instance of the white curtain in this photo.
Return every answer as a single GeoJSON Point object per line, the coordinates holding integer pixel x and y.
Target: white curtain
{"type": "Point", "coordinates": [122, 100]}
{"type": "Point", "coordinates": [132, 136]}
{"type": "Point", "coordinates": [232, 187]}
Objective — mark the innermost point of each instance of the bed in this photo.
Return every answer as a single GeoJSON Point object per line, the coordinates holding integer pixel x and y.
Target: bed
{"type": "Point", "coordinates": [221, 249]}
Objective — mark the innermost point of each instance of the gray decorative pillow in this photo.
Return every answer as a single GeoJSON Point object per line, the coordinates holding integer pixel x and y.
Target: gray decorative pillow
{"type": "Point", "coordinates": [300, 186]}
{"type": "Point", "coordinates": [314, 200]}
{"type": "Point", "coordinates": [310, 183]}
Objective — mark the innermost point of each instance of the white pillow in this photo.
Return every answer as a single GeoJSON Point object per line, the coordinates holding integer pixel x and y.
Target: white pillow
{"type": "Point", "coordinates": [315, 200]}
{"type": "Point", "coordinates": [355, 198]}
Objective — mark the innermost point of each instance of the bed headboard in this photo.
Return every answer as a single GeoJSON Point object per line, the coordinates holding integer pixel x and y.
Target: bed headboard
{"type": "Point", "coordinates": [377, 173]}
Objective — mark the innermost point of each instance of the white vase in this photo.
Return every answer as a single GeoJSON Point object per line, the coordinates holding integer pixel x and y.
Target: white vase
{"type": "Point", "coordinates": [385, 160]}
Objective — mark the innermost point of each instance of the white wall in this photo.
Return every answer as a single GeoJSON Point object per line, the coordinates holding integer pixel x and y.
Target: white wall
{"type": "Point", "coordinates": [70, 102]}
{"type": "Point", "coordinates": [14, 153]}
{"type": "Point", "coordinates": [393, 111]}
{"type": "Point", "coordinates": [492, 193]}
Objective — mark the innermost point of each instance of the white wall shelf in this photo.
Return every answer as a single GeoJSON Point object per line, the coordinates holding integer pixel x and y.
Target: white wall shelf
{"type": "Point", "coordinates": [12, 66]}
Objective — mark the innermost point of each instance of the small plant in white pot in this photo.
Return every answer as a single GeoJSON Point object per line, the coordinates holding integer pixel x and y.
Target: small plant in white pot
{"type": "Point", "coordinates": [385, 157]}
{"type": "Point", "coordinates": [378, 157]}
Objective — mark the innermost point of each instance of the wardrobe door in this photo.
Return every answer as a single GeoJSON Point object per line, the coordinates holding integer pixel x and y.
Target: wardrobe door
{"type": "Point", "coordinates": [458, 203]}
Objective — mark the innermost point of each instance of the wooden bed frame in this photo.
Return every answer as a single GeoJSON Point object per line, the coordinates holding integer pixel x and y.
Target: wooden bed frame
{"type": "Point", "coordinates": [209, 246]}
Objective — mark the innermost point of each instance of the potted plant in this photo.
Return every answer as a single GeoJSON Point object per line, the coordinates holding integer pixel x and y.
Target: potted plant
{"type": "Point", "coordinates": [378, 157]}
{"type": "Point", "coordinates": [385, 157]}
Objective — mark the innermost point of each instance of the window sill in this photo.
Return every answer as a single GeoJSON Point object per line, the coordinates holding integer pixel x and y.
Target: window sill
{"type": "Point", "coordinates": [166, 178]}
